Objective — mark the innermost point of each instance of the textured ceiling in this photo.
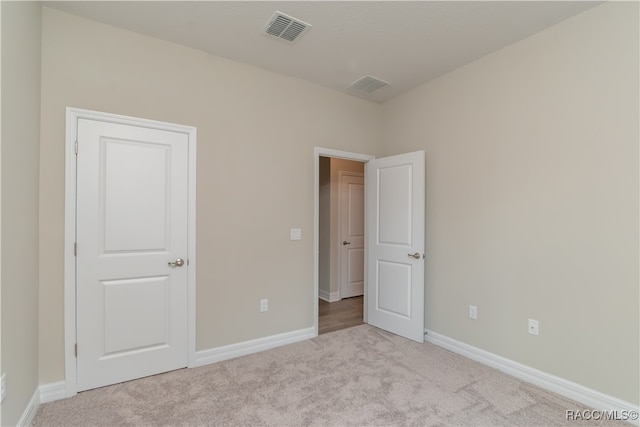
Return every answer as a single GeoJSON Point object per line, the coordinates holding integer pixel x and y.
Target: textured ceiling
{"type": "Point", "coordinates": [403, 43]}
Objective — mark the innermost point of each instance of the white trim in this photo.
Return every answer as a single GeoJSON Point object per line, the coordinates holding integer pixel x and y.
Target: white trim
{"type": "Point", "coordinates": [218, 354]}
{"type": "Point", "coordinates": [324, 295]}
{"type": "Point", "coordinates": [30, 411]}
{"type": "Point", "coordinates": [53, 391]}
{"type": "Point", "coordinates": [328, 152]}
{"type": "Point", "coordinates": [337, 154]}
{"type": "Point", "coordinates": [328, 296]}
{"type": "Point", "coordinates": [561, 386]}
{"type": "Point", "coordinates": [69, 259]}
{"type": "Point", "coordinates": [73, 114]}
{"type": "Point", "coordinates": [571, 390]}
{"type": "Point", "coordinates": [58, 390]}
{"type": "Point", "coordinates": [191, 249]}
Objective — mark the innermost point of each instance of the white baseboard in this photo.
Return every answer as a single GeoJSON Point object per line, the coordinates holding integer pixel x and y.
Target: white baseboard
{"type": "Point", "coordinates": [327, 296]}
{"type": "Point", "coordinates": [30, 411]}
{"type": "Point", "coordinates": [218, 354]}
{"type": "Point", "coordinates": [53, 391]}
{"type": "Point", "coordinates": [58, 390]}
{"type": "Point", "coordinates": [324, 295]}
{"type": "Point", "coordinates": [561, 386]}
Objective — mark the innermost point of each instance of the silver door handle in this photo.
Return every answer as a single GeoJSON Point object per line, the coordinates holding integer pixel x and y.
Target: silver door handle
{"type": "Point", "coordinates": [416, 255]}
{"type": "Point", "coordinates": [346, 243]}
{"type": "Point", "coordinates": [177, 263]}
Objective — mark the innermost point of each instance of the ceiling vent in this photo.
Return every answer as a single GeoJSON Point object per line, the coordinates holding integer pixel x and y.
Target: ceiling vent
{"type": "Point", "coordinates": [368, 84]}
{"type": "Point", "coordinates": [286, 27]}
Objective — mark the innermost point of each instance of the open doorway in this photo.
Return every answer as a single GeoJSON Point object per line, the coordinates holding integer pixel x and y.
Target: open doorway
{"type": "Point", "coordinates": [340, 243]}
{"type": "Point", "coordinates": [394, 241]}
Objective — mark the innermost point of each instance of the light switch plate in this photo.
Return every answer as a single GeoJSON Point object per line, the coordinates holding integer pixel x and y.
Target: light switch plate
{"type": "Point", "coordinates": [473, 312]}
{"type": "Point", "coordinates": [296, 234]}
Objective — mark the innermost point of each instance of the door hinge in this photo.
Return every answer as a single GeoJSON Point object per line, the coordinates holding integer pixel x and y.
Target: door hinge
{"type": "Point", "coordinates": [75, 248]}
{"type": "Point", "coordinates": [76, 146]}
{"type": "Point", "coordinates": [75, 349]}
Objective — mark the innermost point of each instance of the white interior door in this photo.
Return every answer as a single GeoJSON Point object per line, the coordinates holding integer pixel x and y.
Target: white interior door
{"type": "Point", "coordinates": [132, 213]}
{"type": "Point", "coordinates": [395, 244]}
{"type": "Point", "coordinates": [351, 234]}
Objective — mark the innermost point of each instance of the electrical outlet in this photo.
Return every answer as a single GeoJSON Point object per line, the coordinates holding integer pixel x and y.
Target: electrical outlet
{"type": "Point", "coordinates": [473, 312]}
{"type": "Point", "coordinates": [533, 327]}
{"type": "Point", "coordinates": [3, 387]}
{"type": "Point", "coordinates": [264, 305]}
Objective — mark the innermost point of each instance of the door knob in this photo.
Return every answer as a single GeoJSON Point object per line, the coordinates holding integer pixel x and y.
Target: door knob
{"type": "Point", "coordinates": [346, 243]}
{"type": "Point", "coordinates": [416, 255]}
{"type": "Point", "coordinates": [177, 263]}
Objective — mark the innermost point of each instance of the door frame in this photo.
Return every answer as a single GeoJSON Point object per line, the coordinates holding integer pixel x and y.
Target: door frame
{"type": "Point", "coordinates": [72, 117]}
{"type": "Point", "coordinates": [341, 176]}
{"type": "Point", "coordinates": [328, 152]}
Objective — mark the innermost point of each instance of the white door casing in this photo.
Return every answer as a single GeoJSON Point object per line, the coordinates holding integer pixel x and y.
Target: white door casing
{"type": "Point", "coordinates": [351, 214]}
{"type": "Point", "coordinates": [395, 244]}
{"type": "Point", "coordinates": [135, 198]}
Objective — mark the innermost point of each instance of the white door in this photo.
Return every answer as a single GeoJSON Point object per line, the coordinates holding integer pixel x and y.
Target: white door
{"type": "Point", "coordinates": [131, 215]}
{"type": "Point", "coordinates": [395, 244]}
{"type": "Point", "coordinates": [351, 234]}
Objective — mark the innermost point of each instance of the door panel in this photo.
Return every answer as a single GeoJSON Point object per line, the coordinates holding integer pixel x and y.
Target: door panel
{"type": "Point", "coordinates": [394, 204]}
{"type": "Point", "coordinates": [395, 232]}
{"type": "Point", "coordinates": [145, 299]}
{"type": "Point", "coordinates": [356, 263]}
{"type": "Point", "coordinates": [351, 233]}
{"type": "Point", "coordinates": [131, 222]}
{"type": "Point", "coordinates": [394, 289]}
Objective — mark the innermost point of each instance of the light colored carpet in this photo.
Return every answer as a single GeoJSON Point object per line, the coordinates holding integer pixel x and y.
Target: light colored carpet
{"type": "Point", "coordinates": [359, 376]}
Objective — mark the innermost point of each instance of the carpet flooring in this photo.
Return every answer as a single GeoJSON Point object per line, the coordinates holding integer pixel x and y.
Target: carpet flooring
{"type": "Point", "coordinates": [361, 376]}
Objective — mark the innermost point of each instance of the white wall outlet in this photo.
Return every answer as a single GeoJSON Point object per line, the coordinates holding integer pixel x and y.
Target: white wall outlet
{"type": "Point", "coordinates": [295, 234]}
{"type": "Point", "coordinates": [533, 327]}
{"type": "Point", "coordinates": [264, 305]}
{"type": "Point", "coordinates": [3, 387]}
{"type": "Point", "coordinates": [473, 312]}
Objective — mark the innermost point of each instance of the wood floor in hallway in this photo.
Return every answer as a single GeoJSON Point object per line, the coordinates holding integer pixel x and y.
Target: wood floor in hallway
{"type": "Point", "coordinates": [340, 314]}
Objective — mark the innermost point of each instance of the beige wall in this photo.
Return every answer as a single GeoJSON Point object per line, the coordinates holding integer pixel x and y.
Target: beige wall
{"type": "Point", "coordinates": [532, 188]}
{"type": "Point", "coordinates": [532, 198]}
{"type": "Point", "coordinates": [20, 162]}
{"type": "Point", "coordinates": [256, 133]}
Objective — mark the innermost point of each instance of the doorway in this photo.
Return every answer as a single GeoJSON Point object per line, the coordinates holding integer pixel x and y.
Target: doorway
{"type": "Point", "coordinates": [394, 241]}
{"type": "Point", "coordinates": [341, 269]}
{"type": "Point", "coordinates": [130, 286]}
